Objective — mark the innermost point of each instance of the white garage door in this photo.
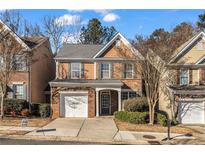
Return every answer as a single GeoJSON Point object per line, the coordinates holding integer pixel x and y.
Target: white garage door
{"type": "Point", "coordinates": [74, 106]}
{"type": "Point", "coordinates": [191, 112]}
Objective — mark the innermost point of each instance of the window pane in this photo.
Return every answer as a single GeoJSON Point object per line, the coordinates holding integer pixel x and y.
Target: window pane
{"type": "Point", "coordinates": [18, 91]}
{"type": "Point", "coordinates": [128, 71]}
{"type": "Point", "coordinates": [132, 94]}
{"type": "Point", "coordinates": [184, 77]}
{"type": "Point", "coordinates": [75, 70]}
{"type": "Point", "coordinates": [124, 96]}
{"type": "Point", "coordinates": [105, 72]}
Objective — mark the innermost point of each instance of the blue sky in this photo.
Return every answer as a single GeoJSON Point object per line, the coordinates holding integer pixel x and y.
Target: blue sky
{"type": "Point", "coordinates": [128, 22]}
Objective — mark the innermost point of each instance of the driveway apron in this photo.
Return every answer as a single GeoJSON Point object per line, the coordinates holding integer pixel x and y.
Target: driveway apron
{"type": "Point", "coordinates": [64, 127]}
{"type": "Point", "coordinates": [98, 128]}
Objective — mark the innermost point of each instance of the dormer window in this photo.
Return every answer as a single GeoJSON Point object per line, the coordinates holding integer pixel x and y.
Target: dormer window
{"type": "Point", "coordinates": [117, 43]}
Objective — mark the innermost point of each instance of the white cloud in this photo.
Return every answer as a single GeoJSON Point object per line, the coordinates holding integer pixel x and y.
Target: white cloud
{"type": "Point", "coordinates": [68, 20]}
{"type": "Point", "coordinates": [110, 17]}
{"type": "Point", "coordinates": [102, 12]}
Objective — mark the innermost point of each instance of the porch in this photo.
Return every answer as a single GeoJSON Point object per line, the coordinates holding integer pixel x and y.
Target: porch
{"type": "Point", "coordinates": [108, 100]}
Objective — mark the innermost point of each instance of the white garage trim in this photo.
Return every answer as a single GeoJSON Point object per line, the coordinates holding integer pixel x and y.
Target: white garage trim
{"type": "Point", "coordinates": [73, 92]}
{"type": "Point", "coordinates": [192, 112]}
{"type": "Point", "coordinates": [74, 104]}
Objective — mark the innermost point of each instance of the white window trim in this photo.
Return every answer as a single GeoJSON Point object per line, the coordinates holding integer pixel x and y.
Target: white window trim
{"type": "Point", "coordinates": [180, 77]}
{"type": "Point", "coordinates": [126, 71]}
{"type": "Point", "coordinates": [109, 70]}
{"type": "Point", "coordinates": [75, 70]}
{"type": "Point", "coordinates": [16, 91]}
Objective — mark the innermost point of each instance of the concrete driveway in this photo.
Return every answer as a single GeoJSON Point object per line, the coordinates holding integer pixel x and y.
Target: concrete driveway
{"type": "Point", "coordinates": [95, 128]}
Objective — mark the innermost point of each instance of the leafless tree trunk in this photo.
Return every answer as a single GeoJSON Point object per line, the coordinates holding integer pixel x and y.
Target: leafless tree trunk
{"type": "Point", "coordinates": [54, 31]}
{"type": "Point", "coordinates": [12, 56]}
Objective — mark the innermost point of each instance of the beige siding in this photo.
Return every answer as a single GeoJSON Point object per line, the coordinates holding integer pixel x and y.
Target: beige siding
{"type": "Point", "coordinates": [193, 54]}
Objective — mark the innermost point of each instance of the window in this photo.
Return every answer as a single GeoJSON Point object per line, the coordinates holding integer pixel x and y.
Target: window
{"type": "Point", "coordinates": [184, 77]}
{"type": "Point", "coordinates": [117, 43]}
{"type": "Point", "coordinates": [200, 45]}
{"type": "Point", "coordinates": [19, 63]}
{"type": "Point", "coordinates": [128, 71]}
{"type": "Point", "coordinates": [105, 70]}
{"type": "Point", "coordinates": [128, 95]}
{"type": "Point", "coordinates": [76, 71]}
{"type": "Point", "coordinates": [18, 91]}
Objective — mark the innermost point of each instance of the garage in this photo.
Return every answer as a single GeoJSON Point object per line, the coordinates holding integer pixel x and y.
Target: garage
{"type": "Point", "coordinates": [191, 112]}
{"type": "Point", "coordinates": [74, 105]}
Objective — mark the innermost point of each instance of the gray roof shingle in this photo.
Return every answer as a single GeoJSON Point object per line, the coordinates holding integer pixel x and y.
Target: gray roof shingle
{"type": "Point", "coordinates": [78, 51]}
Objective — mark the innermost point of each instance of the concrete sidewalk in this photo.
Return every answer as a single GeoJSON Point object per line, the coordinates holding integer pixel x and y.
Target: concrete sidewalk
{"type": "Point", "coordinates": [101, 130]}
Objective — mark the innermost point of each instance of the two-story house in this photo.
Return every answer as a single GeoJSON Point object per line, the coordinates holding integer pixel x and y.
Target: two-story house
{"type": "Point", "coordinates": [93, 80]}
{"type": "Point", "coordinates": [187, 64]}
{"type": "Point", "coordinates": [30, 82]}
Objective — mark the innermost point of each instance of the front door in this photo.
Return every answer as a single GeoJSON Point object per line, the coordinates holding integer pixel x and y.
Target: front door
{"type": "Point", "coordinates": [105, 102]}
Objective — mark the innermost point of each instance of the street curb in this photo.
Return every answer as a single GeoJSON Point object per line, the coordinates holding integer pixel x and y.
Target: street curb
{"type": "Point", "coordinates": [73, 139]}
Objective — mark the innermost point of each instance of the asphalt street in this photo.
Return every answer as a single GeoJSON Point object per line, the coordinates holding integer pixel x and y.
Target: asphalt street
{"type": "Point", "coordinates": [7, 141]}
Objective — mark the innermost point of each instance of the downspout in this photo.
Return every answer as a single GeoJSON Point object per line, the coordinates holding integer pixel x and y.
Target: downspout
{"type": "Point", "coordinates": [51, 110]}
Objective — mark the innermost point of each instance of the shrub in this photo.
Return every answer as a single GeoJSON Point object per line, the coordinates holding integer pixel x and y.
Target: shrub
{"type": "Point", "coordinates": [161, 119]}
{"type": "Point", "coordinates": [132, 117]}
{"type": "Point", "coordinates": [174, 122]}
{"type": "Point", "coordinates": [25, 112]}
{"type": "Point", "coordinates": [15, 106]}
{"type": "Point", "coordinates": [44, 110]}
{"type": "Point", "coordinates": [138, 104]}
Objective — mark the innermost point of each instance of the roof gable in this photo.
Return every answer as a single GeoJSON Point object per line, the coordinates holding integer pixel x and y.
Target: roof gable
{"type": "Point", "coordinates": [5, 28]}
{"type": "Point", "coordinates": [110, 43]}
{"type": "Point", "coordinates": [185, 48]}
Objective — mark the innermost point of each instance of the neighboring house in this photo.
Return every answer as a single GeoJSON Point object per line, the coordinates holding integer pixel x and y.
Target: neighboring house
{"type": "Point", "coordinates": [93, 80]}
{"type": "Point", "coordinates": [30, 82]}
{"type": "Point", "coordinates": [188, 65]}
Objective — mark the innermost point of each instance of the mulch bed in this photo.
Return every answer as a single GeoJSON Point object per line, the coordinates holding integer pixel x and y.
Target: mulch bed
{"type": "Point", "coordinates": [32, 122]}
{"type": "Point", "coordinates": [13, 132]}
{"type": "Point", "coordinates": [125, 126]}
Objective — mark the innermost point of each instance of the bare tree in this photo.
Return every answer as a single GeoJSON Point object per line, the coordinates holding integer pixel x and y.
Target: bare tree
{"type": "Point", "coordinates": [12, 57]}
{"type": "Point", "coordinates": [13, 19]}
{"type": "Point", "coordinates": [31, 30]}
{"type": "Point", "coordinates": [54, 31]}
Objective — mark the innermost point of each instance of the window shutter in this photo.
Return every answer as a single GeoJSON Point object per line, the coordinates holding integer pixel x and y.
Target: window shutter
{"type": "Point", "coordinates": [11, 91]}
{"type": "Point", "coordinates": [69, 71]}
{"type": "Point", "coordinates": [123, 70]}
{"type": "Point", "coordinates": [82, 70]}
{"type": "Point", "coordinates": [135, 70]}
{"type": "Point", "coordinates": [111, 70]}
{"type": "Point", "coordinates": [99, 70]}
{"type": "Point", "coordinates": [202, 73]}
{"type": "Point", "coordinates": [190, 76]}
{"type": "Point", "coordinates": [178, 76]}
{"type": "Point", "coordinates": [24, 91]}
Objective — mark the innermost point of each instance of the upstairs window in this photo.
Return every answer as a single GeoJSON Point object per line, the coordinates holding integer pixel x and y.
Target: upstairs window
{"type": "Point", "coordinates": [184, 77]}
{"type": "Point", "coordinates": [128, 71]}
{"type": "Point", "coordinates": [19, 63]}
{"type": "Point", "coordinates": [105, 70]}
{"type": "Point", "coordinates": [77, 70]}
